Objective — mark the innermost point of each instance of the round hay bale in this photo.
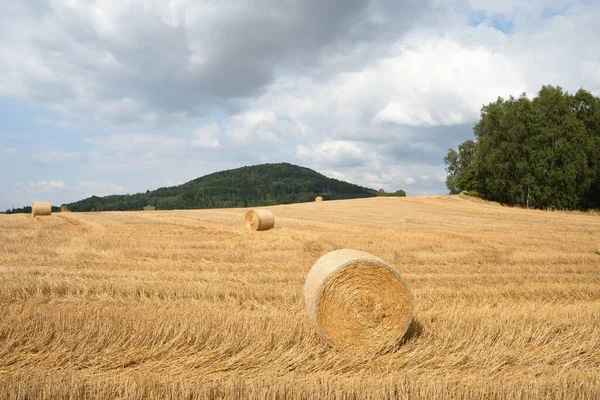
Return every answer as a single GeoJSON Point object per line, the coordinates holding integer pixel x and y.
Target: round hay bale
{"type": "Point", "coordinates": [356, 300]}
{"type": "Point", "coordinates": [41, 208]}
{"type": "Point", "coordinates": [259, 220]}
{"type": "Point", "coordinates": [318, 198]}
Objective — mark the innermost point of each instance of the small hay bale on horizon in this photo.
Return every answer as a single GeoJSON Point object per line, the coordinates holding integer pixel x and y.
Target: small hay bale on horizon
{"type": "Point", "coordinates": [357, 301]}
{"type": "Point", "coordinates": [318, 198]}
{"type": "Point", "coordinates": [259, 220]}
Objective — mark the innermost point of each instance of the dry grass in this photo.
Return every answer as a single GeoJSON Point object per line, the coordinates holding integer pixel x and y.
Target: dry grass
{"type": "Point", "coordinates": [173, 304]}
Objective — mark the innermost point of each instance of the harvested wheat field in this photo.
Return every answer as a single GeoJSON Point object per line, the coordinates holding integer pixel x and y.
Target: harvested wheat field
{"type": "Point", "coordinates": [174, 304]}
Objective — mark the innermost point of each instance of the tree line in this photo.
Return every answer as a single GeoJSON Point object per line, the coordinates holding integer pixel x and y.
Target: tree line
{"type": "Point", "coordinates": [542, 153]}
{"type": "Point", "coordinates": [26, 210]}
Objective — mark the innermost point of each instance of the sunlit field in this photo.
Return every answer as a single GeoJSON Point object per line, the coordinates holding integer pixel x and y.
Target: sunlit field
{"type": "Point", "coordinates": [190, 304]}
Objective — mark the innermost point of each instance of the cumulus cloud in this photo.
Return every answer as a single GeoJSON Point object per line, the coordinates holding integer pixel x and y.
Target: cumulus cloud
{"type": "Point", "coordinates": [262, 128]}
{"type": "Point", "coordinates": [333, 153]}
{"type": "Point", "coordinates": [52, 155]}
{"type": "Point", "coordinates": [431, 81]}
{"type": "Point", "coordinates": [206, 137]}
{"type": "Point", "coordinates": [143, 59]}
{"type": "Point", "coordinates": [136, 142]}
{"type": "Point", "coordinates": [90, 188]}
{"type": "Point", "coordinates": [7, 151]}
{"type": "Point", "coordinates": [442, 82]}
{"type": "Point", "coordinates": [47, 186]}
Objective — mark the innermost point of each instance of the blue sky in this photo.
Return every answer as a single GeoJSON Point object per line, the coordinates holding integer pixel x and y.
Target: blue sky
{"type": "Point", "coordinates": [500, 22]}
{"type": "Point", "coordinates": [108, 97]}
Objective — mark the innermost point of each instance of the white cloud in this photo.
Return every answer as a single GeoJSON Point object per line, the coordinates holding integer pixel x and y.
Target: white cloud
{"type": "Point", "coordinates": [57, 191]}
{"type": "Point", "coordinates": [207, 137]}
{"type": "Point", "coordinates": [137, 142]}
{"type": "Point", "coordinates": [430, 81]}
{"type": "Point", "coordinates": [108, 59]}
{"type": "Point", "coordinates": [333, 153]}
{"type": "Point", "coordinates": [48, 186]}
{"type": "Point", "coordinates": [388, 176]}
{"type": "Point", "coordinates": [89, 188]}
{"type": "Point", "coordinates": [262, 128]}
{"type": "Point", "coordinates": [54, 155]}
{"type": "Point", "coordinates": [440, 81]}
{"type": "Point", "coordinates": [7, 151]}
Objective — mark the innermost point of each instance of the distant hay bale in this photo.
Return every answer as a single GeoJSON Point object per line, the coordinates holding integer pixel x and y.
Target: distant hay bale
{"type": "Point", "coordinates": [41, 208]}
{"type": "Point", "coordinates": [318, 198]}
{"type": "Point", "coordinates": [259, 220]}
{"type": "Point", "coordinates": [356, 300]}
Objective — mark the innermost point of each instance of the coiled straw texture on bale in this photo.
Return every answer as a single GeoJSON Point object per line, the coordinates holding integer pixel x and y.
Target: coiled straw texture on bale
{"type": "Point", "coordinates": [41, 208]}
{"type": "Point", "coordinates": [318, 198]}
{"type": "Point", "coordinates": [260, 220]}
{"type": "Point", "coordinates": [356, 300]}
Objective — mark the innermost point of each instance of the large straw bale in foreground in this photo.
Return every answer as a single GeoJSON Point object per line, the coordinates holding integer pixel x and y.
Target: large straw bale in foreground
{"type": "Point", "coordinates": [41, 208]}
{"type": "Point", "coordinates": [260, 220]}
{"type": "Point", "coordinates": [318, 198]}
{"type": "Point", "coordinates": [356, 300]}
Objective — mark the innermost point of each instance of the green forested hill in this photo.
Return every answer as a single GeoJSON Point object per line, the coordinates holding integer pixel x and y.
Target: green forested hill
{"type": "Point", "coordinates": [258, 185]}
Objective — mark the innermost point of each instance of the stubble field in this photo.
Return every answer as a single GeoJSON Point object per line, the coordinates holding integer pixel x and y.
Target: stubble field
{"type": "Point", "coordinates": [189, 304]}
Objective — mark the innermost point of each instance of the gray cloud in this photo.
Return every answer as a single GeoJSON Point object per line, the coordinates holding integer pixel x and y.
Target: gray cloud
{"type": "Point", "coordinates": [428, 145]}
{"type": "Point", "coordinates": [186, 57]}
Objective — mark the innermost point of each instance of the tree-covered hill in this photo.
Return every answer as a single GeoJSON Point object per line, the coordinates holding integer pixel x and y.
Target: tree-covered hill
{"type": "Point", "coordinates": [541, 153]}
{"type": "Point", "coordinates": [258, 185]}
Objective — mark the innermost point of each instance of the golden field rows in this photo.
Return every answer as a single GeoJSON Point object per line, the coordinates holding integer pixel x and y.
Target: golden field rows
{"type": "Point", "coordinates": [190, 304]}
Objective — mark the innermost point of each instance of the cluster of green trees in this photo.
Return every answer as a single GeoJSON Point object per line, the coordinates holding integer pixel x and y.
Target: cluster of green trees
{"type": "Point", "coordinates": [397, 193]}
{"type": "Point", "coordinates": [259, 185]}
{"type": "Point", "coordinates": [27, 210]}
{"type": "Point", "coordinates": [542, 153]}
